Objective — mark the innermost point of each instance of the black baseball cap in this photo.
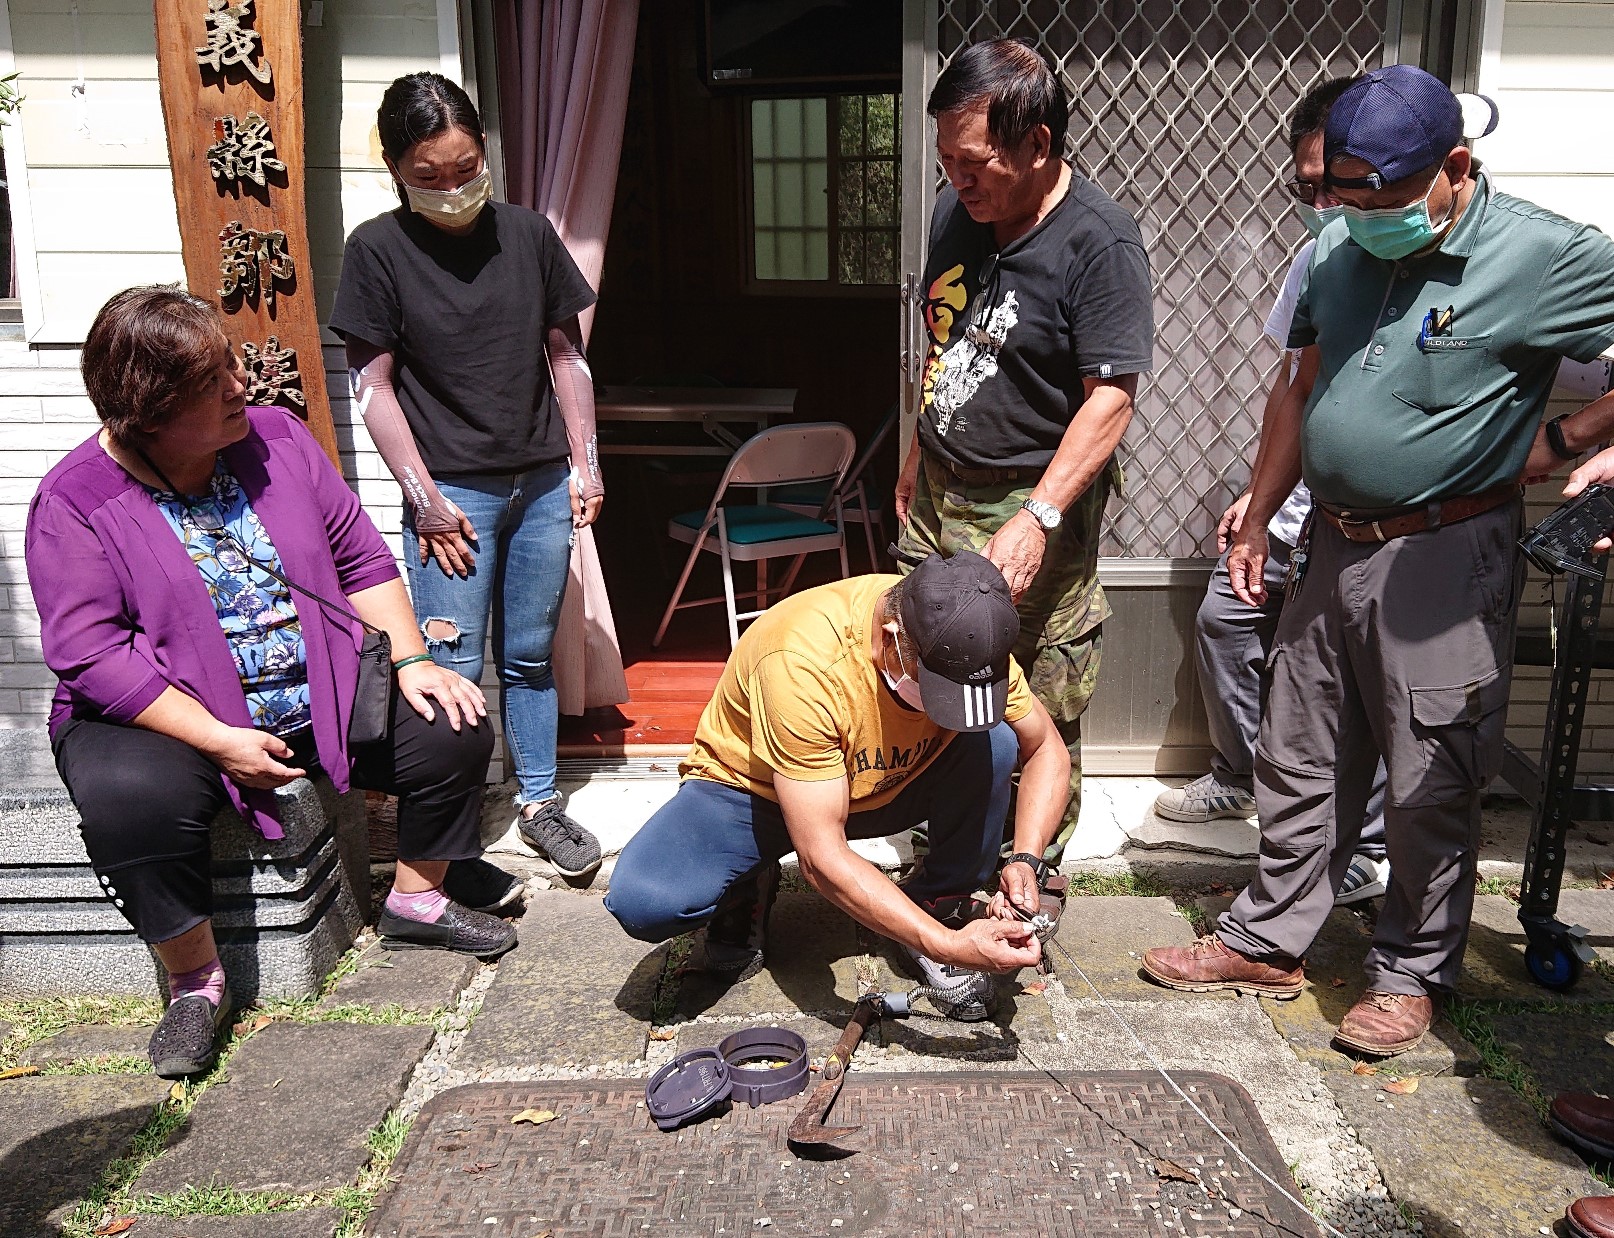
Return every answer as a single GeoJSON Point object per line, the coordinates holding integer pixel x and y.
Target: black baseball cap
{"type": "Point", "coordinates": [957, 610]}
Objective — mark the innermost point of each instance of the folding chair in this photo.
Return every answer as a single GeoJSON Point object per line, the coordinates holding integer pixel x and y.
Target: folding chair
{"type": "Point", "coordinates": [853, 493]}
{"type": "Point", "coordinates": [818, 451]}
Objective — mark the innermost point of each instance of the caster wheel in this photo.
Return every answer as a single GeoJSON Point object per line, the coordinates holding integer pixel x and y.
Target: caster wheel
{"type": "Point", "coordinates": [1555, 966]}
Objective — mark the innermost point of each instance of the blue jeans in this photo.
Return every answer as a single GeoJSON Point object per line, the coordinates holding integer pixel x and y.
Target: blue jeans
{"type": "Point", "coordinates": [523, 526]}
{"type": "Point", "coordinates": [675, 871]}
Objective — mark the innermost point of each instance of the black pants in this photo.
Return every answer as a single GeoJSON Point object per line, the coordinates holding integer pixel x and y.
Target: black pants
{"type": "Point", "coordinates": [146, 805]}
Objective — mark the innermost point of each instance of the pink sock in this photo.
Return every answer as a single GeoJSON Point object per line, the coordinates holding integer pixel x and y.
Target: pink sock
{"type": "Point", "coordinates": [424, 905]}
{"type": "Point", "coordinates": [208, 980]}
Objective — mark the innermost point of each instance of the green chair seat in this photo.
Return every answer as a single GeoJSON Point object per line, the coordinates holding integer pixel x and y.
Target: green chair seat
{"type": "Point", "coordinates": [748, 525]}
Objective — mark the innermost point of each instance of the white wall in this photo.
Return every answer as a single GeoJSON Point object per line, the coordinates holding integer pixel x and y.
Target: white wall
{"type": "Point", "coordinates": [98, 182]}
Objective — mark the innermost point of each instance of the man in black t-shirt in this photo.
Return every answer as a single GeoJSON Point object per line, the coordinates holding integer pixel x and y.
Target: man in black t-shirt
{"type": "Point", "coordinates": [1040, 318]}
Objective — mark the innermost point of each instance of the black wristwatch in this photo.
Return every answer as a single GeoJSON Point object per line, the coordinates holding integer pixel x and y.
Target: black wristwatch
{"type": "Point", "coordinates": [1555, 438]}
{"type": "Point", "coordinates": [1039, 870]}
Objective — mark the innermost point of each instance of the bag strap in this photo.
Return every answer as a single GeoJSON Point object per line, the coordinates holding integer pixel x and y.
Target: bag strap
{"type": "Point", "coordinates": [224, 534]}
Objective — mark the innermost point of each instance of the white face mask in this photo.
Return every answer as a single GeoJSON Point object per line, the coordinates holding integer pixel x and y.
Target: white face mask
{"type": "Point", "coordinates": [902, 687]}
{"type": "Point", "coordinates": [456, 207]}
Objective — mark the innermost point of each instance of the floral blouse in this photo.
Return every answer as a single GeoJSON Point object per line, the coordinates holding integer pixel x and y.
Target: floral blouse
{"type": "Point", "coordinates": [255, 610]}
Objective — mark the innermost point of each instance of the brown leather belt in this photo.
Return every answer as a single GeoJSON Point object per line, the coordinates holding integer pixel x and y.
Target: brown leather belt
{"type": "Point", "coordinates": [1386, 525]}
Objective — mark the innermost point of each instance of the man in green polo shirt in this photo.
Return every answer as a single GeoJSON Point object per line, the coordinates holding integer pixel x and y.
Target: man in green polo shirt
{"type": "Point", "coordinates": [1431, 323]}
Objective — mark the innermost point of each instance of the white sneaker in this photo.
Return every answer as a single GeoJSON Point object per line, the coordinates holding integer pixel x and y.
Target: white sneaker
{"type": "Point", "coordinates": [1366, 878]}
{"type": "Point", "coordinates": [957, 992]}
{"type": "Point", "coordinates": [1205, 799]}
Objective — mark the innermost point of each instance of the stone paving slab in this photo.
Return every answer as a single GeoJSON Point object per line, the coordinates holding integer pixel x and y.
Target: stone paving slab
{"type": "Point", "coordinates": [977, 1152]}
{"type": "Point", "coordinates": [1566, 1051]}
{"type": "Point", "coordinates": [1493, 968]}
{"type": "Point", "coordinates": [309, 1223]}
{"type": "Point", "coordinates": [421, 981]}
{"type": "Point", "coordinates": [1238, 840]}
{"type": "Point", "coordinates": [1335, 982]}
{"type": "Point", "coordinates": [1593, 910]}
{"type": "Point", "coordinates": [292, 1110]}
{"type": "Point", "coordinates": [1108, 936]}
{"type": "Point", "coordinates": [88, 1044]}
{"type": "Point", "coordinates": [577, 989]}
{"type": "Point", "coordinates": [1469, 1155]}
{"type": "Point", "coordinates": [59, 1134]}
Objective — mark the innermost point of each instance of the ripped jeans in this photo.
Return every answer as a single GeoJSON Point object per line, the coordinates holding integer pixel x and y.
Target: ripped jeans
{"type": "Point", "coordinates": [523, 528]}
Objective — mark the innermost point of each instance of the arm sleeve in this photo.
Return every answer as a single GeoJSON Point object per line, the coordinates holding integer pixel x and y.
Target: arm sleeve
{"type": "Point", "coordinates": [1574, 309]}
{"type": "Point", "coordinates": [574, 391]}
{"type": "Point", "coordinates": [793, 728]}
{"type": "Point", "coordinates": [1112, 313]}
{"type": "Point", "coordinates": [85, 626]}
{"type": "Point", "coordinates": [1019, 703]}
{"type": "Point", "coordinates": [369, 379]}
{"type": "Point", "coordinates": [366, 298]}
{"type": "Point", "coordinates": [1302, 334]}
{"type": "Point", "coordinates": [361, 556]}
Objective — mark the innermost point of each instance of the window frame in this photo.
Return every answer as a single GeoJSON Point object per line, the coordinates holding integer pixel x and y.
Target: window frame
{"type": "Point", "coordinates": [831, 287]}
{"type": "Point", "coordinates": [28, 306]}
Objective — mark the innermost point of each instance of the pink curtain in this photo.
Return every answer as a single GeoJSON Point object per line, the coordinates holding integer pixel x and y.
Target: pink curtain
{"type": "Point", "coordinates": [564, 69]}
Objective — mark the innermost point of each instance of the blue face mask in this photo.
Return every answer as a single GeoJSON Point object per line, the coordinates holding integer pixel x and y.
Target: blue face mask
{"type": "Point", "coordinates": [1395, 231]}
{"type": "Point", "coordinates": [1315, 218]}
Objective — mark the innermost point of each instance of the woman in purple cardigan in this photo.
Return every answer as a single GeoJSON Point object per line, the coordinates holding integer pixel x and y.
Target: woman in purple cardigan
{"type": "Point", "coordinates": [191, 678]}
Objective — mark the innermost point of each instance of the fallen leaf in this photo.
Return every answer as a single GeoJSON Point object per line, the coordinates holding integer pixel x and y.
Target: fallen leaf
{"type": "Point", "coordinates": [548, 1233]}
{"type": "Point", "coordinates": [116, 1226]}
{"type": "Point", "coordinates": [1402, 1087]}
{"type": "Point", "coordinates": [276, 1084]}
{"type": "Point", "coordinates": [1605, 881]}
{"type": "Point", "coordinates": [479, 1167]}
{"type": "Point", "coordinates": [1337, 983]}
{"type": "Point", "coordinates": [1170, 1171]}
{"type": "Point", "coordinates": [177, 1092]}
{"type": "Point", "coordinates": [1362, 1068]}
{"type": "Point", "coordinates": [536, 1116]}
{"type": "Point", "coordinates": [17, 1072]}
{"type": "Point", "coordinates": [1035, 987]}
{"type": "Point", "coordinates": [663, 1033]}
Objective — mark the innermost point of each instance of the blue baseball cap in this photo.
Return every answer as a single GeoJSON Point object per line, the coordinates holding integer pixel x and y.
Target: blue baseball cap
{"type": "Point", "coordinates": [1399, 119]}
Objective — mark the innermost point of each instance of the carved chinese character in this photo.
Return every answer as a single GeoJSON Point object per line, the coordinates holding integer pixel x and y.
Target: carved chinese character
{"type": "Point", "coordinates": [272, 374]}
{"type": "Point", "coordinates": [231, 41]}
{"type": "Point", "coordinates": [250, 263]}
{"type": "Point", "coordinates": [244, 151]}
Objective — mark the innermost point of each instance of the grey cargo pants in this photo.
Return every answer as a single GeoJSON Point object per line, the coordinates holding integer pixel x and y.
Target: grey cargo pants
{"type": "Point", "coordinates": [1404, 647]}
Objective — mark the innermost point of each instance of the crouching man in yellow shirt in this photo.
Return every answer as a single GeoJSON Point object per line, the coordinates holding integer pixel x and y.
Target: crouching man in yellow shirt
{"type": "Point", "coordinates": [856, 710]}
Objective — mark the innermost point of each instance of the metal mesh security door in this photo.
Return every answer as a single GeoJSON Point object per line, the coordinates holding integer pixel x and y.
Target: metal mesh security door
{"type": "Point", "coordinates": [1178, 112]}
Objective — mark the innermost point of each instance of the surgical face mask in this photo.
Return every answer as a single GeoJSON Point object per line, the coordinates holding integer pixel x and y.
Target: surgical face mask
{"type": "Point", "coordinates": [904, 688]}
{"type": "Point", "coordinates": [1396, 231]}
{"type": "Point", "coordinates": [1317, 218]}
{"type": "Point", "coordinates": [454, 207]}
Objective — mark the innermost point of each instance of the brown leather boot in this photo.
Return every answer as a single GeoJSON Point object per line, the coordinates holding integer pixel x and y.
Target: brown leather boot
{"type": "Point", "coordinates": [1385, 1024]}
{"type": "Point", "coordinates": [1208, 966]}
{"type": "Point", "coordinates": [1591, 1217]}
{"type": "Point", "coordinates": [1586, 1121]}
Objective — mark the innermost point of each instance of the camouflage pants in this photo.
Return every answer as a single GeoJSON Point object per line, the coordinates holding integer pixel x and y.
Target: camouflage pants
{"type": "Point", "coordinates": [1061, 639]}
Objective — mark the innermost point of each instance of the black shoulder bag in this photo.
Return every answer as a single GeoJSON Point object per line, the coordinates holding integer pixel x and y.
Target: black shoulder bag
{"type": "Point", "coordinates": [372, 694]}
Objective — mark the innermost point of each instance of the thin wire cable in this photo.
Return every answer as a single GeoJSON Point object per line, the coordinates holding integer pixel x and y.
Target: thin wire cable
{"type": "Point", "coordinates": [1188, 1100]}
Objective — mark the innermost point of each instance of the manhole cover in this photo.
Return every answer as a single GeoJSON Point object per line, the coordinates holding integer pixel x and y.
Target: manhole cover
{"type": "Point", "coordinates": [946, 1154]}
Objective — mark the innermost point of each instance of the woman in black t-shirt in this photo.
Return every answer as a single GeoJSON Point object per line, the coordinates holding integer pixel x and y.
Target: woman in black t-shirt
{"type": "Point", "coordinates": [465, 357]}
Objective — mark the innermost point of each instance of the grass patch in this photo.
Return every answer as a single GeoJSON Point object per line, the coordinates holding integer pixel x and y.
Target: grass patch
{"type": "Point", "coordinates": [1474, 1021]}
{"type": "Point", "coordinates": [358, 1201]}
{"type": "Point", "coordinates": [110, 1064]}
{"type": "Point", "coordinates": [37, 1018]}
{"type": "Point", "coordinates": [1200, 920]}
{"type": "Point", "coordinates": [217, 1201]}
{"type": "Point", "coordinates": [1118, 885]}
{"type": "Point", "coordinates": [1507, 887]}
{"type": "Point", "coordinates": [665, 1004]}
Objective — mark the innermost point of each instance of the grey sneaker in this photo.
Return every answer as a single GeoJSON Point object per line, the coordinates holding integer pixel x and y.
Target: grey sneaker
{"type": "Point", "coordinates": [1205, 799]}
{"type": "Point", "coordinates": [1366, 878]}
{"type": "Point", "coordinates": [560, 840]}
{"type": "Point", "coordinates": [957, 992]}
{"type": "Point", "coordinates": [185, 1042]}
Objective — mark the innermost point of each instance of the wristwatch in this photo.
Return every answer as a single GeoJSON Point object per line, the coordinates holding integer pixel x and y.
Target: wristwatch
{"type": "Point", "coordinates": [1555, 438]}
{"type": "Point", "coordinates": [1039, 870]}
{"type": "Point", "coordinates": [1045, 514]}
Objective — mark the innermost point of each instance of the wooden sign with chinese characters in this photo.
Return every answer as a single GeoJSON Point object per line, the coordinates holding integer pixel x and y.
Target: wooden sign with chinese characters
{"type": "Point", "coordinates": [231, 76]}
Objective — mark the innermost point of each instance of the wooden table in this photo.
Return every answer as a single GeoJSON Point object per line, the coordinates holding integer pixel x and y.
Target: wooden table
{"type": "Point", "coordinates": [713, 409]}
